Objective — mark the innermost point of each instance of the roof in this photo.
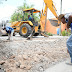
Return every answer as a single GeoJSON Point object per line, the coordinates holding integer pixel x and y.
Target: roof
{"type": "Point", "coordinates": [30, 9]}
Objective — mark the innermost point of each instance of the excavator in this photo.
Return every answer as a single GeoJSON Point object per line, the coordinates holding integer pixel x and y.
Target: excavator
{"type": "Point", "coordinates": [27, 28]}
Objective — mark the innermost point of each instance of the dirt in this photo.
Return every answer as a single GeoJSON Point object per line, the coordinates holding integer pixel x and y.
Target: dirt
{"type": "Point", "coordinates": [36, 55]}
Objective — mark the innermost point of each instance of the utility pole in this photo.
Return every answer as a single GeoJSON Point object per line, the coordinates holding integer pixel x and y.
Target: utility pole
{"type": "Point", "coordinates": [60, 13]}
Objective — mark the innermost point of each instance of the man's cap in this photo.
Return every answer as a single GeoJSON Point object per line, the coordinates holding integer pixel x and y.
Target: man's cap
{"type": "Point", "coordinates": [60, 16]}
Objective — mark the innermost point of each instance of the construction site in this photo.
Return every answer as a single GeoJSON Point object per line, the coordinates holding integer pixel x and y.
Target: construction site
{"type": "Point", "coordinates": [30, 42]}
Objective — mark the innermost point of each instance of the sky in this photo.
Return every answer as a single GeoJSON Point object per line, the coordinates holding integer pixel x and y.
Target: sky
{"type": "Point", "coordinates": [8, 7]}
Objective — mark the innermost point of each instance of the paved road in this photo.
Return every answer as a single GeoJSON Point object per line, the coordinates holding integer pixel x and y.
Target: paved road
{"type": "Point", "coordinates": [61, 67]}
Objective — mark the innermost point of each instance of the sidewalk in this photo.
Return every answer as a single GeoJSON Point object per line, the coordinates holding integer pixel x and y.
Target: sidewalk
{"type": "Point", "coordinates": [61, 67]}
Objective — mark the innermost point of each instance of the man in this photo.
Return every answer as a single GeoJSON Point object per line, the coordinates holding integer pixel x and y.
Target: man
{"type": "Point", "coordinates": [29, 18]}
{"type": "Point", "coordinates": [10, 32]}
{"type": "Point", "coordinates": [67, 18]}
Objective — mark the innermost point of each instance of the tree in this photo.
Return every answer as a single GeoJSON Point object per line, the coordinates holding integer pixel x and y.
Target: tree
{"type": "Point", "coordinates": [18, 14]}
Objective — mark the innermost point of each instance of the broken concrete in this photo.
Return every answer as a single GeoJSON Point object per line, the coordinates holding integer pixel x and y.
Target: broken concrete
{"type": "Point", "coordinates": [34, 55]}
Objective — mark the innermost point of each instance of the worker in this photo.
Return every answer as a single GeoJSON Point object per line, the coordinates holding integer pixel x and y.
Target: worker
{"type": "Point", "coordinates": [67, 18]}
{"type": "Point", "coordinates": [10, 32]}
{"type": "Point", "coordinates": [29, 18]}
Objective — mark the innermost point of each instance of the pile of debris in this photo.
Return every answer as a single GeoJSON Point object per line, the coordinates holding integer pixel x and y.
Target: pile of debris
{"type": "Point", "coordinates": [31, 56]}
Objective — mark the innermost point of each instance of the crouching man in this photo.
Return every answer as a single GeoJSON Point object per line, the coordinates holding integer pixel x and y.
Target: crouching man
{"type": "Point", "coordinates": [10, 32]}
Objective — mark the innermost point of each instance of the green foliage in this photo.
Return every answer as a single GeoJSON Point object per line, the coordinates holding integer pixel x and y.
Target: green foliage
{"type": "Point", "coordinates": [65, 33]}
{"type": "Point", "coordinates": [50, 34]}
{"type": "Point", "coordinates": [18, 14]}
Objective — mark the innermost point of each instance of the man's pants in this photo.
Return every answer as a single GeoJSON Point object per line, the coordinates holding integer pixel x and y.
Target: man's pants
{"type": "Point", "coordinates": [69, 46]}
{"type": "Point", "coordinates": [10, 36]}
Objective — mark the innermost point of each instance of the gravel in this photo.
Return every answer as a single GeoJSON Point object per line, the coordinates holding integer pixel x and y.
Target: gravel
{"type": "Point", "coordinates": [36, 55]}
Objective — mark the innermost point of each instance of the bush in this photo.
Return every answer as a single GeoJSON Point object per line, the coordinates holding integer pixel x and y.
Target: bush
{"type": "Point", "coordinates": [65, 33]}
{"type": "Point", "coordinates": [50, 34]}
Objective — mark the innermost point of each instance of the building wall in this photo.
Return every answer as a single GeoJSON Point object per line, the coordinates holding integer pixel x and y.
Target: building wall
{"type": "Point", "coordinates": [53, 29]}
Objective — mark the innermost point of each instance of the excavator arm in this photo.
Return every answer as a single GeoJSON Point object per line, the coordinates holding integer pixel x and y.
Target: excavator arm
{"type": "Point", "coordinates": [48, 4]}
{"type": "Point", "coordinates": [51, 6]}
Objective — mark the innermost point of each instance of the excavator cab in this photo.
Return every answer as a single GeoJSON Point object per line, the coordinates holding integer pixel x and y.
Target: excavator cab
{"type": "Point", "coordinates": [30, 12]}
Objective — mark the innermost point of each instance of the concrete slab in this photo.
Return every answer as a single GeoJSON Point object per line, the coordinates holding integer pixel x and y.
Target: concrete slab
{"type": "Point", "coordinates": [61, 67]}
